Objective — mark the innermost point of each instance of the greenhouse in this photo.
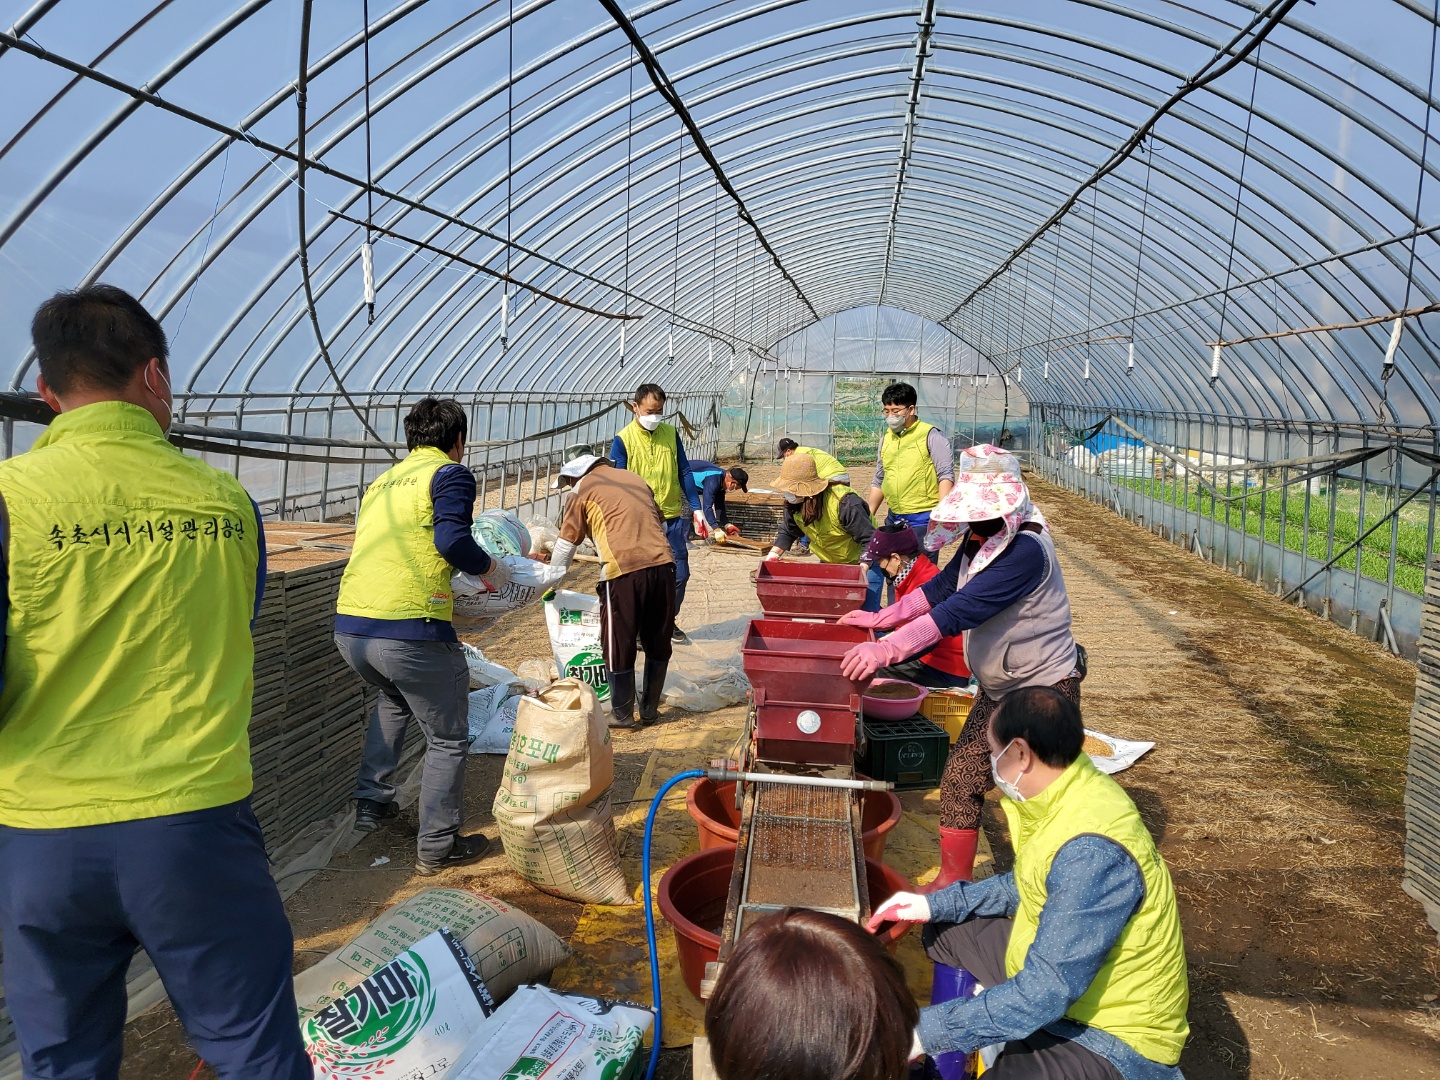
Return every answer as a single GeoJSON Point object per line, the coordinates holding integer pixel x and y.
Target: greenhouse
{"type": "Point", "coordinates": [1169, 269]}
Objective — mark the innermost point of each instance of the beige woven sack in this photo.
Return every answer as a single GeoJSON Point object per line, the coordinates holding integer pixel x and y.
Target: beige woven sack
{"type": "Point", "coordinates": [553, 804]}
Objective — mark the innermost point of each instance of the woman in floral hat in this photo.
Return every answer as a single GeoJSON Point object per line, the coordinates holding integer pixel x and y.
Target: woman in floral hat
{"type": "Point", "coordinates": [1004, 592]}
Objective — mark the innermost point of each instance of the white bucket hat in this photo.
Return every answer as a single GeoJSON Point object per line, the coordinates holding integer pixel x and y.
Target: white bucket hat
{"type": "Point", "coordinates": [575, 468]}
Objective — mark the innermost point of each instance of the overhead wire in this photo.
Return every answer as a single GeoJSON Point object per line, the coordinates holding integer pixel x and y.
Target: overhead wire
{"type": "Point", "coordinates": [368, 251]}
{"type": "Point", "coordinates": [1140, 250]}
{"type": "Point", "coordinates": [1235, 217]}
{"type": "Point", "coordinates": [1388, 366]}
{"type": "Point", "coordinates": [672, 97]}
{"type": "Point", "coordinates": [509, 174]}
{"type": "Point", "coordinates": [1222, 61]}
{"type": "Point", "coordinates": [303, 249]}
{"type": "Point", "coordinates": [284, 153]}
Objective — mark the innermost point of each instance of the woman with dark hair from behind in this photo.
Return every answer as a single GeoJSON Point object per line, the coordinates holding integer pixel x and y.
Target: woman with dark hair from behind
{"type": "Point", "coordinates": [809, 996]}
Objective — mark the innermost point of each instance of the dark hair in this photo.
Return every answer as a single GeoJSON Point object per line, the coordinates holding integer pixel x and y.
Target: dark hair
{"type": "Point", "coordinates": [436, 422]}
{"type": "Point", "coordinates": [810, 996]}
{"type": "Point", "coordinates": [899, 393]}
{"type": "Point", "coordinates": [786, 444]}
{"type": "Point", "coordinates": [96, 338]}
{"type": "Point", "coordinates": [1045, 718]}
{"type": "Point", "coordinates": [649, 389]}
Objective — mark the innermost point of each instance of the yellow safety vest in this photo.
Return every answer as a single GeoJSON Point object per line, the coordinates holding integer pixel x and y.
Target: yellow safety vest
{"type": "Point", "coordinates": [910, 485]}
{"type": "Point", "coordinates": [394, 571]}
{"type": "Point", "coordinates": [129, 665]}
{"type": "Point", "coordinates": [1140, 994]}
{"type": "Point", "coordinates": [829, 542]}
{"type": "Point", "coordinates": [655, 456]}
{"type": "Point", "coordinates": [825, 465]}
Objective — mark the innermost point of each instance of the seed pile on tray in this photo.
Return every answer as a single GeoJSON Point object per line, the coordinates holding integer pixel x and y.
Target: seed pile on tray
{"type": "Point", "coordinates": [1422, 781]}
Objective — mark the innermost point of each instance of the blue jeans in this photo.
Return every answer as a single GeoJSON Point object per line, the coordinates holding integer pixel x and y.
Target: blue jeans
{"type": "Point", "coordinates": [194, 891]}
{"type": "Point", "coordinates": [875, 582]}
{"type": "Point", "coordinates": [677, 531]}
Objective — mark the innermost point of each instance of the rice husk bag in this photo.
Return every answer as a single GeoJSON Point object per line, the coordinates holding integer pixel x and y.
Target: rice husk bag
{"type": "Point", "coordinates": [413, 1017]}
{"type": "Point", "coordinates": [553, 804]}
{"type": "Point", "coordinates": [541, 1032]}
{"type": "Point", "coordinates": [573, 620]}
{"type": "Point", "coordinates": [507, 946]}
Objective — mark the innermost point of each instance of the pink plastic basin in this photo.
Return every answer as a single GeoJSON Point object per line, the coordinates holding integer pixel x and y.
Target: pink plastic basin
{"type": "Point", "coordinates": [892, 708]}
{"type": "Point", "coordinates": [712, 806]}
{"type": "Point", "coordinates": [692, 899]}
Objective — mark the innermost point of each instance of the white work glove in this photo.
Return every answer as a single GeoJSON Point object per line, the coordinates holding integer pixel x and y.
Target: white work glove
{"type": "Point", "coordinates": [563, 554]}
{"type": "Point", "coordinates": [702, 527]}
{"type": "Point", "coordinates": [917, 1049]}
{"type": "Point", "coordinates": [498, 576]}
{"type": "Point", "coordinates": [775, 553]}
{"type": "Point", "coordinates": [902, 907]}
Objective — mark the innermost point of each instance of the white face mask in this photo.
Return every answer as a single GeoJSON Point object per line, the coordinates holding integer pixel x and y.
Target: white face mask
{"type": "Point", "coordinates": [649, 423]}
{"type": "Point", "coordinates": [793, 500]}
{"type": "Point", "coordinates": [1009, 790]}
{"type": "Point", "coordinates": [896, 423]}
{"type": "Point", "coordinates": [168, 397]}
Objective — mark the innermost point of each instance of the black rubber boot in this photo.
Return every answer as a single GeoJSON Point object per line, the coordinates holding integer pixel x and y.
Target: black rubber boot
{"type": "Point", "coordinates": [622, 698]}
{"type": "Point", "coordinates": [654, 687]}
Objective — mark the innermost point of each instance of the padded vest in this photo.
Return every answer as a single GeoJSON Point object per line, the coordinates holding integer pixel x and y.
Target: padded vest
{"type": "Point", "coordinates": [655, 456]}
{"type": "Point", "coordinates": [829, 542]}
{"type": "Point", "coordinates": [1029, 643]}
{"type": "Point", "coordinates": [825, 465]}
{"type": "Point", "coordinates": [129, 665]}
{"type": "Point", "coordinates": [910, 486]}
{"type": "Point", "coordinates": [394, 571]}
{"type": "Point", "coordinates": [1141, 993]}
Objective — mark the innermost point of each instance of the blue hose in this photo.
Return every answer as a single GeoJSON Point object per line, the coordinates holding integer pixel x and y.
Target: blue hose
{"type": "Point", "coordinates": [693, 774]}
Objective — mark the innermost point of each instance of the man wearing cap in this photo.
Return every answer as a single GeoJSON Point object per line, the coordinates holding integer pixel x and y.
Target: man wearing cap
{"type": "Point", "coordinates": [828, 514]}
{"type": "Point", "coordinates": [616, 509]}
{"type": "Point", "coordinates": [714, 482]}
{"type": "Point", "coordinates": [895, 552]}
{"type": "Point", "coordinates": [1004, 592]}
{"type": "Point", "coordinates": [828, 467]}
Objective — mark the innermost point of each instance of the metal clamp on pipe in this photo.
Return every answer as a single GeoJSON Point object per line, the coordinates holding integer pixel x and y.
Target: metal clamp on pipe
{"type": "Point", "coordinates": [722, 776]}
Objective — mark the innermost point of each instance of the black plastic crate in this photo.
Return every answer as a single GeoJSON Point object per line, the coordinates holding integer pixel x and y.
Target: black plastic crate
{"type": "Point", "coordinates": [909, 753]}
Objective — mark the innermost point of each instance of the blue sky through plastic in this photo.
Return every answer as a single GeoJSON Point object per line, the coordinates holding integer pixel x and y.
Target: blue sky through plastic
{"type": "Point", "coordinates": [805, 105]}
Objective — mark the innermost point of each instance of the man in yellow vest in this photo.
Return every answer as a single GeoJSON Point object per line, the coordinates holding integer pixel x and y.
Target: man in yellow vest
{"type": "Point", "coordinates": [131, 575]}
{"type": "Point", "coordinates": [1079, 948]}
{"type": "Point", "coordinates": [914, 470]}
{"type": "Point", "coordinates": [828, 468]}
{"type": "Point", "coordinates": [393, 627]}
{"type": "Point", "coordinates": [652, 449]}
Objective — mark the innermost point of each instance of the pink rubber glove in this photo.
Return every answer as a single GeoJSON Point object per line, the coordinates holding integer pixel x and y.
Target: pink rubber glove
{"type": "Point", "coordinates": [864, 660]}
{"type": "Point", "coordinates": [910, 606]}
{"type": "Point", "coordinates": [867, 620]}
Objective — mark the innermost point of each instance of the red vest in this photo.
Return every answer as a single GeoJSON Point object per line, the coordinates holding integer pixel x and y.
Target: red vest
{"type": "Point", "coordinates": [949, 655]}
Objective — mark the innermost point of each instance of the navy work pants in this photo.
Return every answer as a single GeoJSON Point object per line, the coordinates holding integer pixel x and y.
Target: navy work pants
{"type": "Point", "coordinates": [194, 891]}
{"type": "Point", "coordinates": [677, 531]}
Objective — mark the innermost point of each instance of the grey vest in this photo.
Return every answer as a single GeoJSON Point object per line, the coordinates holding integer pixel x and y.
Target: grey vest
{"type": "Point", "coordinates": [1029, 643]}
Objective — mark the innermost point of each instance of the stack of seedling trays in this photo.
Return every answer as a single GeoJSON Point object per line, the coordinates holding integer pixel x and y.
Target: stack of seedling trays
{"type": "Point", "coordinates": [310, 710]}
{"type": "Point", "coordinates": [757, 514]}
{"type": "Point", "coordinates": [1422, 784]}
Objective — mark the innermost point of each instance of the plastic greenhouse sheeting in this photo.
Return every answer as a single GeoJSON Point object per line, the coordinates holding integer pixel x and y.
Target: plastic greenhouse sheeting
{"type": "Point", "coordinates": [883, 154]}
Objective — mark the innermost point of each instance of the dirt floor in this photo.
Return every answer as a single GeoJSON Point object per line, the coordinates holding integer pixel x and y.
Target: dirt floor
{"type": "Point", "coordinates": [1275, 792]}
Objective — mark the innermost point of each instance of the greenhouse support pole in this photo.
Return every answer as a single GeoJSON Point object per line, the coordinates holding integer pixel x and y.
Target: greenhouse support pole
{"type": "Point", "coordinates": [1359, 546]}
{"type": "Point", "coordinates": [1396, 468]}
